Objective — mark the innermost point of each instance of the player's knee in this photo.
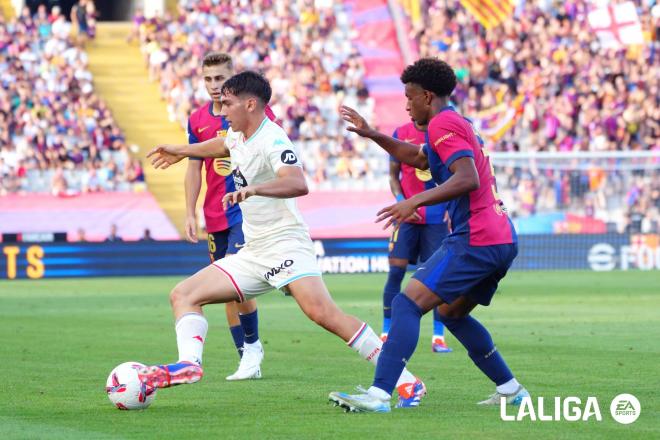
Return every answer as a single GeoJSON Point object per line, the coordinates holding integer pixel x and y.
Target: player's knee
{"type": "Point", "coordinates": [452, 314]}
{"type": "Point", "coordinates": [449, 315]}
{"type": "Point", "coordinates": [178, 295]}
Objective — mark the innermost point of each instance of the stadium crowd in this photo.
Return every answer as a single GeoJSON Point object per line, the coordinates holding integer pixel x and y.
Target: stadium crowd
{"type": "Point", "coordinates": [574, 95]}
{"type": "Point", "coordinates": [571, 95]}
{"type": "Point", "coordinates": [303, 47]}
{"type": "Point", "coordinates": [56, 134]}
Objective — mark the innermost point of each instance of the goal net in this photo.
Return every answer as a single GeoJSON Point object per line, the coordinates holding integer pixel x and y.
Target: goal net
{"type": "Point", "coordinates": [597, 210]}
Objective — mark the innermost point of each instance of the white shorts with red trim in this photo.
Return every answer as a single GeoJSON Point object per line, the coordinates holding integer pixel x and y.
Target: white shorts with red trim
{"type": "Point", "coordinates": [255, 270]}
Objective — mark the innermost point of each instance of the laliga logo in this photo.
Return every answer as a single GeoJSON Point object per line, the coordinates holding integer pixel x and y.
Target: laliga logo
{"type": "Point", "coordinates": [569, 409]}
{"type": "Point", "coordinates": [625, 409]}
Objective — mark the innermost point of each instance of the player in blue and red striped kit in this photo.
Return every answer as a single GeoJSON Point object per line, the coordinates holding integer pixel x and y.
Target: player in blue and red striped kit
{"type": "Point", "coordinates": [414, 240]}
{"type": "Point", "coordinates": [465, 271]}
{"type": "Point", "coordinates": [225, 235]}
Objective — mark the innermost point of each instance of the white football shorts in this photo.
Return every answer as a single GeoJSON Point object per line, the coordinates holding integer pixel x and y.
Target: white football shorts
{"type": "Point", "coordinates": [255, 270]}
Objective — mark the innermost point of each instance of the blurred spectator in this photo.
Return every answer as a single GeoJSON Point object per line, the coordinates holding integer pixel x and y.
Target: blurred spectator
{"type": "Point", "coordinates": [81, 235]}
{"type": "Point", "coordinates": [147, 236]}
{"type": "Point", "coordinates": [113, 234]}
{"type": "Point", "coordinates": [80, 18]}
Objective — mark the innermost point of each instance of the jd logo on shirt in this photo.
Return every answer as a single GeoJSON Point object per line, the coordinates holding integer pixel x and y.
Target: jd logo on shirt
{"type": "Point", "coordinates": [289, 157]}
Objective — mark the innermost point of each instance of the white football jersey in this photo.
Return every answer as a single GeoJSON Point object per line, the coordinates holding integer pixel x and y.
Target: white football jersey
{"type": "Point", "coordinates": [257, 160]}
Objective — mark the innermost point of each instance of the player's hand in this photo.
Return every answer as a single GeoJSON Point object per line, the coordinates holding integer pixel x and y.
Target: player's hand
{"type": "Point", "coordinates": [360, 125]}
{"type": "Point", "coordinates": [397, 213]}
{"type": "Point", "coordinates": [163, 156]}
{"type": "Point", "coordinates": [232, 198]}
{"type": "Point", "coordinates": [191, 229]}
{"type": "Point", "coordinates": [415, 217]}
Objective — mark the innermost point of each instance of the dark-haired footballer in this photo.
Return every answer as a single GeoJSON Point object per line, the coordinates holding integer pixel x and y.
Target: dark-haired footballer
{"type": "Point", "coordinates": [464, 272]}
{"type": "Point", "coordinates": [223, 226]}
{"type": "Point", "coordinates": [278, 251]}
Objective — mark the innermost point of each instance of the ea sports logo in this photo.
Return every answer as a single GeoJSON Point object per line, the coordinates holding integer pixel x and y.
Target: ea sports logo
{"type": "Point", "coordinates": [625, 408]}
{"type": "Point", "coordinates": [222, 166]}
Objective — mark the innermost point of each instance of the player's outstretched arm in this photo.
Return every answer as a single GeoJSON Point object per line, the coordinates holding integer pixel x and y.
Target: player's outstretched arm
{"type": "Point", "coordinates": [166, 155]}
{"type": "Point", "coordinates": [464, 180]}
{"type": "Point", "coordinates": [405, 152]}
{"type": "Point", "coordinates": [290, 182]}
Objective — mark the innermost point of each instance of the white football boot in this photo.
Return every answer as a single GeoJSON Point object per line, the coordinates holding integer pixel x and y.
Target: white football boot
{"type": "Point", "coordinates": [250, 365]}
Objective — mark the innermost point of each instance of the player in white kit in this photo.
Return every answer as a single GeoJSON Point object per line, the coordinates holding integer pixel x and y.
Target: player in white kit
{"type": "Point", "coordinates": [278, 252]}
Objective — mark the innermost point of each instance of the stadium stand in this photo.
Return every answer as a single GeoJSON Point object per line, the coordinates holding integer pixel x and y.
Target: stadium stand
{"type": "Point", "coordinates": [570, 95]}
{"type": "Point", "coordinates": [303, 47]}
{"type": "Point", "coordinates": [537, 84]}
{"type": "Point", "coordinates": [56, 134]}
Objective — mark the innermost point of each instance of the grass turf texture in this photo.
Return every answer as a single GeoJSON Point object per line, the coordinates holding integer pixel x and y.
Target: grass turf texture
{"type": "Point", "coordinates": [562, 333]}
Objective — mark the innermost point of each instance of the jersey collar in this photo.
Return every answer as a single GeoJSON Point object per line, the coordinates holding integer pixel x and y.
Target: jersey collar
{"type": "Point", "coordinates": [258, 129]}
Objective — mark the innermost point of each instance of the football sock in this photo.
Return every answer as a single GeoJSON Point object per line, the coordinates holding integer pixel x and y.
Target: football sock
{"type": "Point", "coordinates": [392, 289]}
{"type": "Point", "coordinates": [239, 337]}
{"type": "Point", "coordinates": [438, 326]}
{"type": "Point", "coordinates": [191, 331]}
{"type": "Point", "coordinates": [250, 324]}
{"type": "Point", "coordinates": [509, 387]}
{"type": "Point", "coordinates": [369, 346]}
{"type": "Point", "coordinates": [401, 343]}
{"type": "Point", "coordinates": [479, 344]}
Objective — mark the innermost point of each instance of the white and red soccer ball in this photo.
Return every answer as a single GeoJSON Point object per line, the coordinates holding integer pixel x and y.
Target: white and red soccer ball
{"type": "Point", "coordinates": [126, 390]}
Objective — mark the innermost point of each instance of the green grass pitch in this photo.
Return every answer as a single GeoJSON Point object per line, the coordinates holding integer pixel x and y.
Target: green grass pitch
{"type": "Point", "coordinates": [562, 333]}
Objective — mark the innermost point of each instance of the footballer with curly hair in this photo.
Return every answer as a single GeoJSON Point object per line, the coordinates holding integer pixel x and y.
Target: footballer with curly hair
{"type": "Point", "coordinates": [464, 272]}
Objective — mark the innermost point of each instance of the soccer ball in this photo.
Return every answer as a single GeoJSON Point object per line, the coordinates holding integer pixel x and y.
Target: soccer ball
{"type": "Point", "coordinates": [125, 390]}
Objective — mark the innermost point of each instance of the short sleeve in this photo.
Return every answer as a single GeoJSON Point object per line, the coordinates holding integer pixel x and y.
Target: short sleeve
{"type": "Point", "coordinates": [281, 152]}
{"type": "Point", "coordinates": [449, 141]}
{"type": "Point", "coordinates": [192, 139]}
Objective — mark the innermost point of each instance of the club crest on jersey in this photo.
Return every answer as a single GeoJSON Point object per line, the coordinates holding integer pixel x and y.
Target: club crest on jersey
{"type": "Point", "coordinates": [288, 157]}
{"type": "Point", "coordinates": [239, 179]}
{"type": "Point", "coordinates": [222, 166]}
{"type": "Point", "coordinates": [221, 133]}
{"type": "Point", "coordinates": [423, 175]}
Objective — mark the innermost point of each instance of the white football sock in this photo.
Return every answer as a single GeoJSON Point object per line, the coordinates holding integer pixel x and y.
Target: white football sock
{"type": "Point", "coordinates": [369, 346]}
{"type": "Point", "coordinates": [191, 331]}
{"type": "Point", "coordinates": [509, 387]}
{"type": "Point", "coordinates": [378, 393]}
